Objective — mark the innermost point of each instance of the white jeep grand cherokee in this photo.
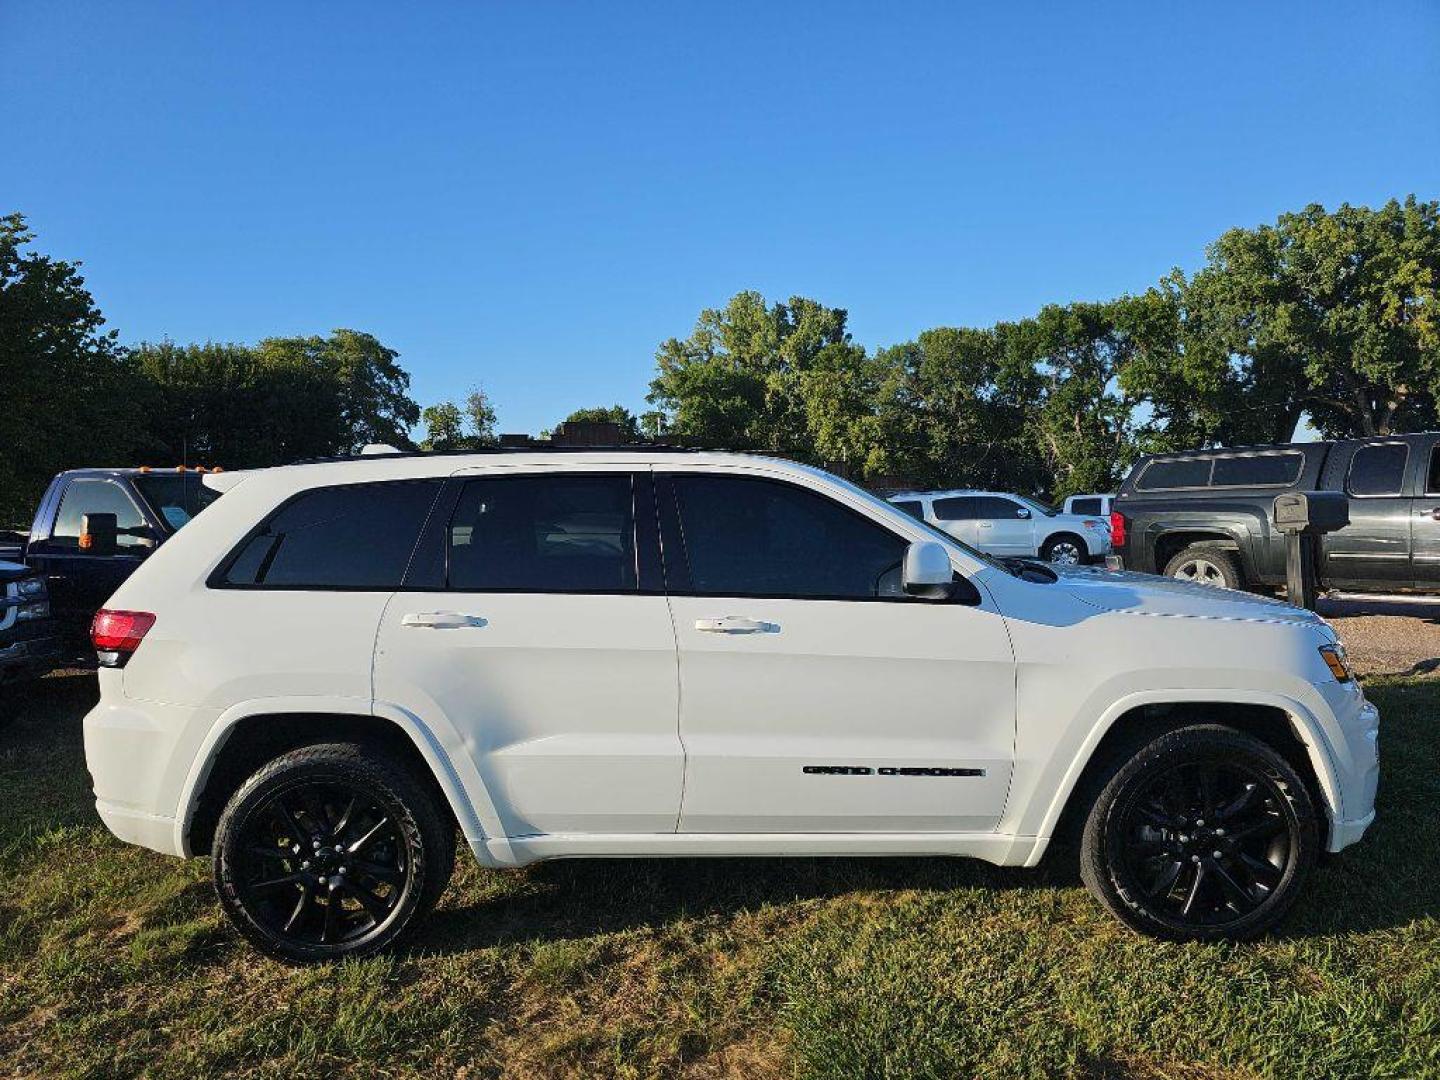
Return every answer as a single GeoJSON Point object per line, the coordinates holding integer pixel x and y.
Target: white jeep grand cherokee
{"type": "Point", "coordinates": [626, 653]}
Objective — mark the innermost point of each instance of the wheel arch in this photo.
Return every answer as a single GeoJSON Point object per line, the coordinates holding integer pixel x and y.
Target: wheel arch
{"type": "Point", "coordinates": [247, 736]}
{"type": "Point", "coordinates": [1170, 542]}
{"type": "Point", "coordinates": [1280, 722]}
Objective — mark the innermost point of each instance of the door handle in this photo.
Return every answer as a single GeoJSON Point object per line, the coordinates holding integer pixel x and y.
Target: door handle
{"type": "Point", "coordinates": [441, 620]}
{"type": "Point", "coordinates": [986, 525]}
{"type": "Point", "coordinates": [1433, 515]}
{"type": "Point", "coordinates": [736, 624]}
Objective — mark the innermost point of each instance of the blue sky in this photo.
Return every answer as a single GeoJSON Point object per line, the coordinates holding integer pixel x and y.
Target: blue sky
{"type": "Point", "coordinates": [530, 196]}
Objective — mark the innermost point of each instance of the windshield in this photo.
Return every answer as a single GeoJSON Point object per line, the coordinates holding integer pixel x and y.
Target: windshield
{"type": "Point", "coordinates": [175, 497]}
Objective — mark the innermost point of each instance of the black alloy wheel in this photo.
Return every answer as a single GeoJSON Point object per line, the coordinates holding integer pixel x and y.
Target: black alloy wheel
{"type": "Point", "coordinates": [1205, 833]}
{"type": "Point", "coordinates": [330, 851]}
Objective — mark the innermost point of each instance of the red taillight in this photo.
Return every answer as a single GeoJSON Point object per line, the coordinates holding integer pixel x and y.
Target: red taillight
{"type": "Point", "coordinates": [117, 634]}
{"type": "Point", "coordinates": [1117, 529]}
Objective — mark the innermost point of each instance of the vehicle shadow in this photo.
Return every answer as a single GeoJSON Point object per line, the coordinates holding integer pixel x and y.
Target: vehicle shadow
{"type": "Point", "coordinates": [581, 898]}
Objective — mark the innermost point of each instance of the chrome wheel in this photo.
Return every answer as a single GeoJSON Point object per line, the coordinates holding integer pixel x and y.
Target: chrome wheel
{"type": "Point", "coordinates": [1064, 552]}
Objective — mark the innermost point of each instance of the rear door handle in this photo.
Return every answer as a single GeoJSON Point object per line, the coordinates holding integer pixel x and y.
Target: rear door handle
{"type": "Point", "coordinates": [441, 620]}
{"type": "Point", "coordinates": [1433, 515]}
{"type": "Point", "coordinates": [736, 624]}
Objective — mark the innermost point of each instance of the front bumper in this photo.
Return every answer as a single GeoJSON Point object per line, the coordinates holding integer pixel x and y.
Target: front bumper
{"type": "Point", "coordinates": [28, 658]}
{"type": "Point", "coordinates": [1357, 762]}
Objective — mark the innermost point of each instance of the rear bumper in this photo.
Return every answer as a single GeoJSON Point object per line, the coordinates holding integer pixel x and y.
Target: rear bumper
{"type": "Point", "coordinates": [153, 831]}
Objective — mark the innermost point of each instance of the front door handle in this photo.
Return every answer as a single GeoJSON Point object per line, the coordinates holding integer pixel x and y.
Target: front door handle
{"type": "Point", "coordinates": [736, 624]}
{"type": "Point", "coordinates": [441, 620]}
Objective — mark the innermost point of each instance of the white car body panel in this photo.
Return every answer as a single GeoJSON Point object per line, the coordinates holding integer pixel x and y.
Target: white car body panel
{"type": "Point", "coordinates": [598, 725]}
{"type": "Point", "coordinates": [1003, 537]}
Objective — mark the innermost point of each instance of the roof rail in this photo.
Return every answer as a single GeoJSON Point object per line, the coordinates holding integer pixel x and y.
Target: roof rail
{"type": "Point", "coordinates": [624, 448]}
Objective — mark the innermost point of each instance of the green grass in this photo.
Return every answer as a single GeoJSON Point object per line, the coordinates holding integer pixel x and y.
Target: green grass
{"type": "Point", "coordinates": [115, 961]}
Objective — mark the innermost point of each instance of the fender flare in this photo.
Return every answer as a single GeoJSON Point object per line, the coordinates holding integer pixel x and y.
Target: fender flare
{"type": "Point", "coordinates": [432, 750]}
{"type": "Point", "coordinates": [1303, 722]}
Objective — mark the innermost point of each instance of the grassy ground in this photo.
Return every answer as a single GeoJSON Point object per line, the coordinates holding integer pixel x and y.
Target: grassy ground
{"type": "Point", "coordinates": [114, 961]}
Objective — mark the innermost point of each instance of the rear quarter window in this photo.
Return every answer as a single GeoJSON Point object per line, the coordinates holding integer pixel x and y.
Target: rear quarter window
{"type": "Point", "coordinates": [354, 536]}
{"type": "Point", "coordinates": [1257, 470]}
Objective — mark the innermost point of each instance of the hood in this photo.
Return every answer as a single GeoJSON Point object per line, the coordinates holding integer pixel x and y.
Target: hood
{"type": "Point", "coordinates": [1149, 594]}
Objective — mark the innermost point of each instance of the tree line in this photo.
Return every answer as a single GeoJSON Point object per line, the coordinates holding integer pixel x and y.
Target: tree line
{"type": "Point", "coordinates": [1328, 315]}
{"type": "Point", "coordinates": [1331, 316]}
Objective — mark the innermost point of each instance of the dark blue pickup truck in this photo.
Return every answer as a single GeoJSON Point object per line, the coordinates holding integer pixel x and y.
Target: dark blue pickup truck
{"type": "Point", "coordinates": [29, 642]}
{"type": "Point", "coordinates": [95, 526]}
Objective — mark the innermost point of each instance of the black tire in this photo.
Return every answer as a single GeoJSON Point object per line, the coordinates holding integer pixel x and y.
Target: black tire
{"type": "Point", "coordinates": [334, 820]}
{"type": "Point", "coordinates": [1171, 867]}
{"type": "Point", "coordinates": [1065, 549]}
{"type": "Point", "coordinates": [1207, 565]}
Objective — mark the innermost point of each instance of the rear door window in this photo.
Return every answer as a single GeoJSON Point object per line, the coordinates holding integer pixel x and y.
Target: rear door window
{"type": "Point", "coordinates": [957, 508]}
{"type": "Point", "coordinates": [354, 536]}
{"type": "Point", "coordinates": [1378, 470]}
{"type": "Point", "coordinates": [558, 532]}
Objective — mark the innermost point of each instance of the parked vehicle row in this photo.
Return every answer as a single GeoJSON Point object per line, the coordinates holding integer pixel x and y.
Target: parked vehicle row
{"type": "Point", "coordinates": [1206, 515]}
{"type": "Point", "coordinates": [337, 666]}
{"type": "Point", "coordinates": [1010, 525]}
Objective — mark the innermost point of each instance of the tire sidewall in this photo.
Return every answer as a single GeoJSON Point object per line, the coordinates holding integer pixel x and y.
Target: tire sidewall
{"type": "Point", "coordinates": [286, 774]}
{"type": "Point", "coordinates": [1102, 842]}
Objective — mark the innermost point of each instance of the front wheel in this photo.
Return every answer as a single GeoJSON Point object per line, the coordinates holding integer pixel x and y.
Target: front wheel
{"type": "Point", "coordinates": [1064, 549]}
{"type": "Point", "coordinates": [330, 851]}
{"type": "Point", "coordinates": [1204, 833]}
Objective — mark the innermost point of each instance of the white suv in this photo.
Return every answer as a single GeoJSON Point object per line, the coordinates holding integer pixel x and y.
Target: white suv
{"type": "Point", "coordinates": [1011, 525]}
{"type": "Point", "coordinates": [623, 653]}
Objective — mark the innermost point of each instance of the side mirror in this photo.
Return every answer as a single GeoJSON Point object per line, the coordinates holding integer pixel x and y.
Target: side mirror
{"type": "Point", "coordinates": [1022, 513]}
{"type": "Point", "coordinates": [927, 574]}
{"type": "Point", "coordinates": [98, 534]}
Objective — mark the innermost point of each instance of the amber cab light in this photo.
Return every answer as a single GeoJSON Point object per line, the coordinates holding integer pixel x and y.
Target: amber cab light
{"type": "Point", "coordinates": [117, 634]}
{"type": "Point", "coordinates": [1117, 529]}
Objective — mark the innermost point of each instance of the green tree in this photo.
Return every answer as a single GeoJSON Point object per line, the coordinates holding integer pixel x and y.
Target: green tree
{"type": "Point", "coordinates": [1331, 314]}
{"type": "Point", "coordinates": [449, 426]}
{"type": "Point", "coordinates": [69, 386]}
{"type": "Point", "coordinates": [738, 380]}
{"type": "Point", "coordinates": [1068, 358]}
{"type": "Point", "coordinates": [623, 418]}
{"type": "Point", "coordinates": [282, 400]}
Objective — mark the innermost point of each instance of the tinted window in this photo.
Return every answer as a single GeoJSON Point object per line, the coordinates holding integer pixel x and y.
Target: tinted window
{"type": "Point", "coordinates": [354, 537]}
{"type": "Point", "coordinates": [993, 509]}
{"type": "Point", "coordinates": [1378, 470]}
{"type": "Point", "coordinates": [1180, 473]}
{"type": "Point", "coordinates": [959, 508]}
{"type": "Point", "coordinates": [1257, 470]}
{"type": "Point", "coordinates": [99, 497]}
{"type": "Point", "coordinates": [176, 497]}
{"type": "Point", "coordinates": [1432, 482]}
{"type": "Point", "coordinates": [544, 533]}
{"type": "Point", "coordinates": [1087, 506]}
{"type": "Point", "coordinates": [914, 509]}
{"type": "Point", "coordinates": [761, 538]}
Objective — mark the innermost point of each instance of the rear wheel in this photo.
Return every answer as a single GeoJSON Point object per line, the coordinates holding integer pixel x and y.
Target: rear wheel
{"type": "Point", "coordinates": [330, 851]}
{"type": "Point", "coordinates": [1204, 833]}
{"type": "Point", "coordinates": [1206, 566]}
